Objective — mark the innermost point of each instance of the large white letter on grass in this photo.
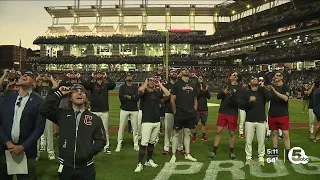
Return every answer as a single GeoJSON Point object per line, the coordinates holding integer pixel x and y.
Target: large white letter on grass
{"type": "Point", "coordinates": [299, 168]}
{"type": "Point", "coordinates": [281, 170]}
{"type": "Point", "coordinates": [170, 169]}
{"type": "Point", "coordinates": [234, 169]}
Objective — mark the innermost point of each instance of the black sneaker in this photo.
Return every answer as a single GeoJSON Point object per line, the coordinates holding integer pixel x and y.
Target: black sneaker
{"type": "Point", "coordinates": [268, 137]}
{"type": "Point", "coordinates": [107, 151]}
{"type": "Point", "coordinates": [232, 156]}
{"type": "Point", "coordinates": [281, 137]}
{"type": "Point", "coordinates": [212, 156]}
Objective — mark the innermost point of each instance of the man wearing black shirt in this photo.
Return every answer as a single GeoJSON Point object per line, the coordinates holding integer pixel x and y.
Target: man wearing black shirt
{"type": "Point", "coordinates": [184, 104]}
{"type": "Point", "coordinates": [46, 84]}
{"type": "Point", "coordinates": [305, 97]}
{"type": "Point", "coordinates": [128, 95]}
{"type": "Point", "coordinates": [253, 102]}
{"type": "Point", "coordinates": [202, 111]}
{"type": "Point", "coordinates": [279, 111]}
{"type": "Point", "coordinates": [228, 113]}
{"type": "Point", "coordinates": [169, 117]}
{"type": "Point", "coordinates": [151, 99]}
{"type": "Point", "coordinates": [99, 88]}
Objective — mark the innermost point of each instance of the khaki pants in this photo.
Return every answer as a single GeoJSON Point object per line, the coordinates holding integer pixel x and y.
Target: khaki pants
{"type": "Point", "coordinates": [242, 119]}
{"type": "Point", "coordinates": [105, 120]}
{"type": "Point", "coordinates": [168, 135]}
{"type": "Point", "coordinates": [149, 133]}
{"type": "Point", "coordinates": [46, 139]}
{"type": "Point", "coordinates": [311, 120]}
{"type": "Point", "coordinates": [124, 115]}
{"type": "Point", "coordinates": [250, 129]}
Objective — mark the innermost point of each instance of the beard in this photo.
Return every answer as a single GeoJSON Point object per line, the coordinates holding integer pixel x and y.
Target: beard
{"type": "Point", "coordinates": [173, 77]}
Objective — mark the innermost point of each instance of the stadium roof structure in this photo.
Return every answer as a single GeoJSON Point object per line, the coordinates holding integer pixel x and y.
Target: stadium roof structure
{"type": "Point", "coordinates": [224, 9]}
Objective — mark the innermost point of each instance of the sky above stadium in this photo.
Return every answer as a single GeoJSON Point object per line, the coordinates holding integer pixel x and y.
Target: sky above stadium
{"type": "Point", "coordinates": [27, 19]}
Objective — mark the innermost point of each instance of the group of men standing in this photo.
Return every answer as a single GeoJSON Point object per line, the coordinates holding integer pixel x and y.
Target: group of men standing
{"type": "Point", "coordinates": [83, 124]}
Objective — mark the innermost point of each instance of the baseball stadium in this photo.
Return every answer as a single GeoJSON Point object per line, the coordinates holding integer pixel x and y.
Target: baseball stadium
{"type": "Point", "coordinates": [254, 39]}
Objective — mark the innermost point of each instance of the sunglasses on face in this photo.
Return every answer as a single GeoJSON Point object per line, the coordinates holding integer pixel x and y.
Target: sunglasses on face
{"type": "Point", "coordinates": [278, 75]}
{"type": "Point", "coordinates": [151, 79]}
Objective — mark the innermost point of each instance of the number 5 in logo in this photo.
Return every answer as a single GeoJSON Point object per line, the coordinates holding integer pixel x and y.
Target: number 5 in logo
{"type": "Point", "coordinates": [297, 155]}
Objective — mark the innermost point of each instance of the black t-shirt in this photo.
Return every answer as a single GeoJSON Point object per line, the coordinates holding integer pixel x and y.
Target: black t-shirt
{"type": "Point", "coordinates": [151, 106]}
{"type": "Point", "coordinates": [255, 111]}
{"type": "Point", "coordinates": [278, 107]}
{"type": "Point", "coordinates": [168, 109]}
{"type": "Point", "coordinates": [229, 104]}
{"type": "Point", "coordinates": [305, 96]}
{"type": "Point", "coordinates": [185, 93]}
{"type": "Point", "coordinates": [43, 91]}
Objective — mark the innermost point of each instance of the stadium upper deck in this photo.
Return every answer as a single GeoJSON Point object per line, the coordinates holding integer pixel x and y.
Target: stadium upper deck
{"type": "Point", "coordinates": [227, 8]}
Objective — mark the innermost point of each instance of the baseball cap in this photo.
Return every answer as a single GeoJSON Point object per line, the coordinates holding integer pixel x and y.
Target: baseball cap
{"type": "Point", "coordinates": [28, 73]}
{"type": "Point", "coordinates": [77, 87]}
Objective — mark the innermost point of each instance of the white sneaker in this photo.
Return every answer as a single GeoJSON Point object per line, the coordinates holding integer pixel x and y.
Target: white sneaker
{"type": "Point", "coordinates": [42, 147]}
{"type": "Point", "coordinates": [118, 149]}
{"type": "Point", "coordinates": [51, 156]}
{"type": "Point", "coordinates": [173, 159]}
{"type": "Point", "coordinates": [136, 148]}
{"type": "Point", "coordinates": [151, 163]}
{"type": "Point", "coordinates": [190, 158]}
{"type": "Point", "coordinates": [139, 168]}
{"type": "Point", "coordinates": [249, 162]}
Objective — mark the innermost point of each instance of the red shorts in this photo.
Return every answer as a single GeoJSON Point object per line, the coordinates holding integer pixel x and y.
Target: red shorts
{"type": "Point", "coordinates": [231, 121]}
{"type": "Point", "coordinates": [278, 122]}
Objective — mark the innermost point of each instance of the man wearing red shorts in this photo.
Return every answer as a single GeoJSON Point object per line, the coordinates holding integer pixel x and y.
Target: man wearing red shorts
{"type": "Point", "coordinates": [228, 113]}
{"type": "Point", "coordinates": [278, 112]}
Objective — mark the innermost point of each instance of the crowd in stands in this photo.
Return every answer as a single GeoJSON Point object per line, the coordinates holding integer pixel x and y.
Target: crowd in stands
{"type": "Point", "coordinates": [263, 55]}
{"type": "Point", "coordinates": [174, 59]}
{"type": "Point", "coordinates": [292, 52]}
{"type": "Point", "coordinates": [281, 14]}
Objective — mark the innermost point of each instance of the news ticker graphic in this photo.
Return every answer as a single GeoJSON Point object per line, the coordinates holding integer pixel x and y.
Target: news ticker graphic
{"type": "Point", "coordinates": [296, 155]}
{"type": "Point", "coordinates": [272, 155]}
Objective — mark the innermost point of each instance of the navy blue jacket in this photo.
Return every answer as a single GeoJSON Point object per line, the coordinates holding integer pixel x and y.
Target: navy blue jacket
{"type": "Point", "coordinates": [32, 124]}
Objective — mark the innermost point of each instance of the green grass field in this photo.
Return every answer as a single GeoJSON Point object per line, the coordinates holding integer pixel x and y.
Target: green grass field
{"type": "Point", "coordinates": [121, 165]}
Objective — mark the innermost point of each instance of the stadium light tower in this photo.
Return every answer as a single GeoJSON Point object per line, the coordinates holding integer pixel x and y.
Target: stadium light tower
{"type": "Point", "coordinates": [167, 51]}
{"type": "Point", "coordinates": [167, 31]}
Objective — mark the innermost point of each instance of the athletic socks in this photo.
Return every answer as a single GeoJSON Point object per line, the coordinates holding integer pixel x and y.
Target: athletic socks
{"type": "Point", "coordinates": [231, 150]}
{"type": "Point", "coordinates": [142, 153]}
{"type": "Point", "coordinates": [215, 148]}
{"type": "Point", "coordinates": [150, 151]}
